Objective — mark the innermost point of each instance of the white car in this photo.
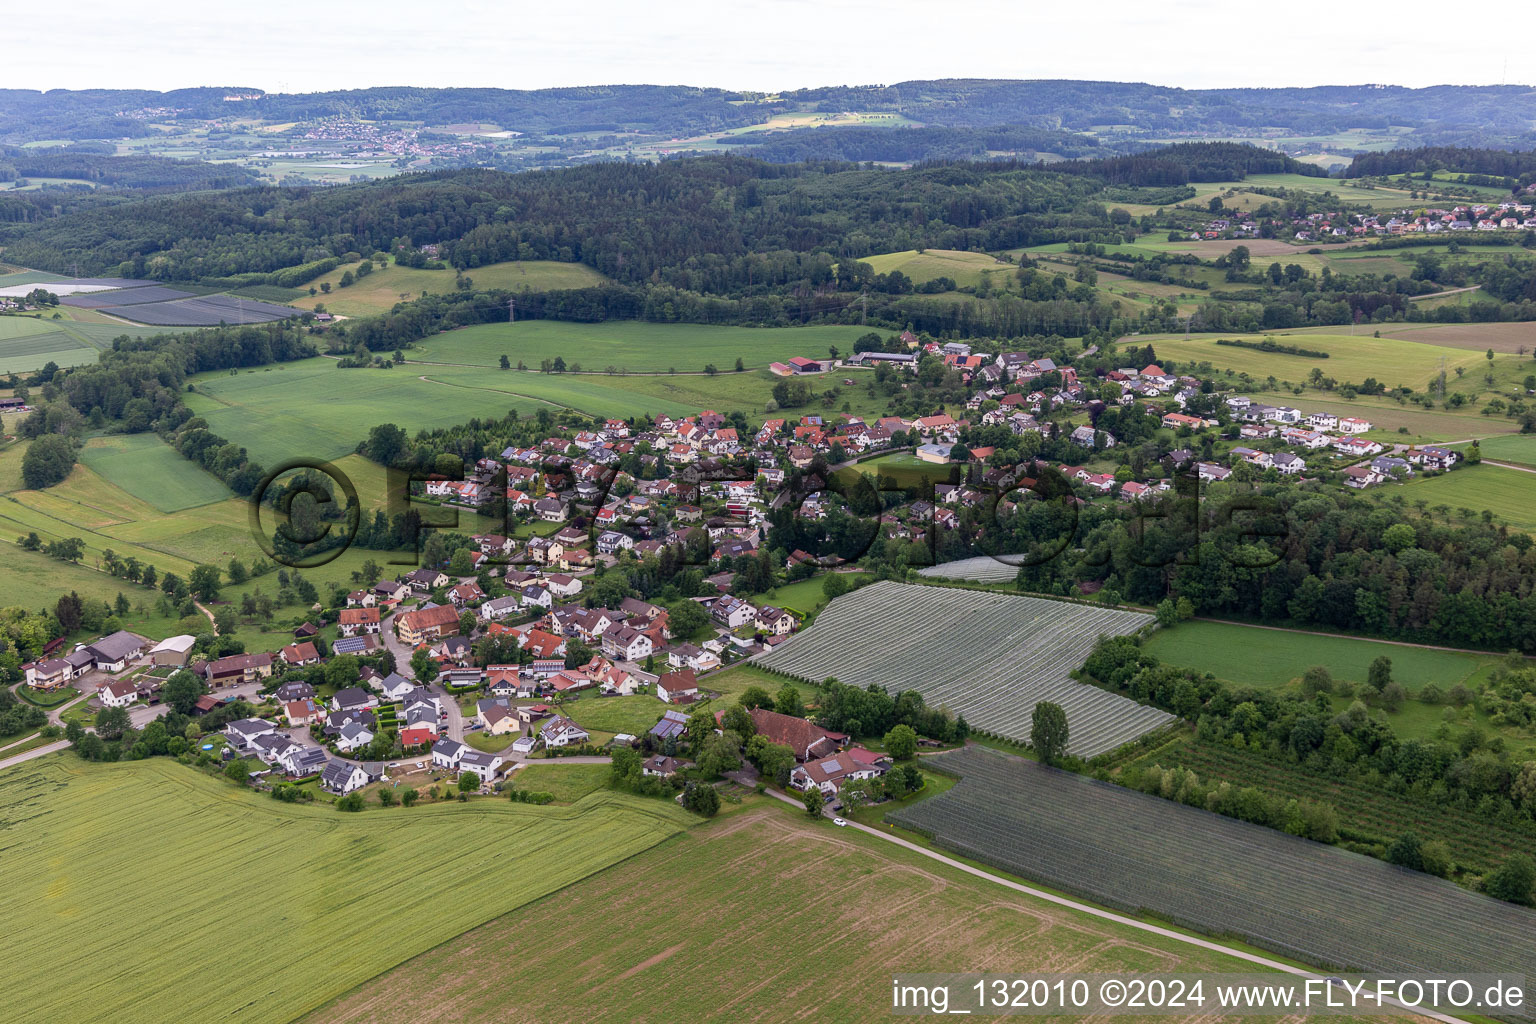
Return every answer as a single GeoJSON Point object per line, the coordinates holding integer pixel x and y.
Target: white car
{"type": "Point", "coordinates": [839, 822]}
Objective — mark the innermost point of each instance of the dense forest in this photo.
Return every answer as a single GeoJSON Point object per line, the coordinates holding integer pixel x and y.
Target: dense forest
{"type": "Point", "coordinates": [1488, 163]}
{"type": "Point", "coordinates": [84, 163]}
{"type": "Point", "coordinates": [908, 145]}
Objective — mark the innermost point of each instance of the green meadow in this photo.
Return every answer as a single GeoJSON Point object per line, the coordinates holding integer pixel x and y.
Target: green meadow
{"type": "Point", "coordinates": [632, 345]}
{"type": "Point", "coordinates": [381, 290]}
{"type": "Point", "coordinates": [1272, 658]}
{"type": "Point", "coordinates": [1510, 494]}
{"type": "Point", "coordinates": [148, 468]}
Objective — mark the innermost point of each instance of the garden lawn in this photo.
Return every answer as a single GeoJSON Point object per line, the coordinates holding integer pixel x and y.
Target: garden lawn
{"type": "Point", "coordinates": [1270, 658]}
{"type": "Point", "coordinates": [149, 469]}
{"type": "Point", "coordinates": [71, 824]}
{"type": "Point", "coordinates": [804, 597]}
{"type": "Point", "coordinates": [634, 715]}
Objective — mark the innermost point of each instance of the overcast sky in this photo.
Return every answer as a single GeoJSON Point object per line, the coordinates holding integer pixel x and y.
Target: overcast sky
{"type": "Point", "coordinates": [303, 45]}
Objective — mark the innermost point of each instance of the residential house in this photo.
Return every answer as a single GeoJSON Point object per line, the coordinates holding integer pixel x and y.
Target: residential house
{"type": "Point", "coordinates": [427, 624]}
{"type": "Point", "coordinates": [356, 621]}
{"type": "Point", "coordinates": [829, 773]}
{"type": "Point", "coordinates": [677, 687]}
{"type": "Point", "coordinates": [342, 777]}
{"type": "Point", "coordinates": [118, 693]}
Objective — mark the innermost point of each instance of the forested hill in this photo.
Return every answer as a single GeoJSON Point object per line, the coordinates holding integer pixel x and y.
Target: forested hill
{"type": "Point", "coordinates": [84, 163]}
{"type": "Point", "coordinates": [1455, 113]}
{"type": "Point", "coordinates": [691, 222]}
{"type": "Point", "coordinates": [694, 220]}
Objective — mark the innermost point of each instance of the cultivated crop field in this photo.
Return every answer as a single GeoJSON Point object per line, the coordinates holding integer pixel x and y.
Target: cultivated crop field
{"type": "Point", "coordinates": [28, 343]}
{"type": "Point", "coordinates": [633, 345]}
{"type": "Point", "coordinates": [1370, 813]}
{"type": "Point", "coordinates": [766, 881]}
{"type": "Point", "coordinates": [1271, 658]}
{"type": "Point", "coordinates": [989, 657]}
{"type": "Point", "coordinates": [1319, 903]}
{"type": "Point", "coordinates": [1507, 337]}
{"type": "Point", "coordinates": [208, 311]}
{"type": "Point", "coordinates": [282, 889]}
{"type": "Point", "coordinates": [149, 469]}
{"type": "Point", "coordinates": [981, 569]}
{"type": "Point", "coordinates": [1351, 359]}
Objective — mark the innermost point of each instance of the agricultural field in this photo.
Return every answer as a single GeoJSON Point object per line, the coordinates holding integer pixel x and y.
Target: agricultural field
{"type": "Point", "coordinates": [765, 879]}
{"type": "Point", "coordinates": [152, 471]}
{"type": "Point", "coordinates": [1517, 448]}
{"type": "Point", "coordinates": [1516, 338]}
{"type": "Point", "coordinates": [29, 342]}
{"type": "Point", "coordinates": [382, 290]}
{"type": "Point", "coordinates": [966, 269]}
{"type": "Point", "coordinates": [980, 569]}
{"type": "Point", "coordinates": [1368, 813]}
{"type": "Point", "coordinates": [297, 925]}
{"type": "Point", "coordinates": [1351, 358]}
{"type": "Point", "coordinates": [989, 657]}
{"type": "Point", "coordinates": [1321, 904]}
{"type": "Point", "coordinates": [1272, 658]}
{"type": "Point", "coordinates": [304, 408]}
{"type": "Point", "coordinates": [310, 408]}
{"type": "Point", "coordinates": [1389, 417]}
{"type": "Point", "coordinates": [1509, 494]}
{"type": "Point", "coordinates": [634, 346]}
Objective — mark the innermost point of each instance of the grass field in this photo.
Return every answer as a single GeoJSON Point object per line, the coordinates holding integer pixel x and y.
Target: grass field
{"type": "Point", "coordinates": [568, 782]}
{"type": "Point", "coordinates": [290, 885]}
{"type": "Point", "coordinates": [768, 882]}
{"type": "Point", "coordinates": [1516, 448]}
{"type": "Point", "coordinates": [1510, 494]}
{"type": "Point", "coordinates": [381, 290]}
{"type": "Point", "coordinates": [1387, 415]}
{"type": "Point", "coordinates": [805, 597]}
{"type": "Point", "coordinates": [610, 715]}
{"type": "Point", "coordinates": [310, 408]}
{"type": "Point", "coordinates": [633, 345]}
{"type": "Point", "coordinates": [1268, 658]}
{"type": "Point", "coordinates": [151, 470]}
{"type": "Point", "coordinates": [966, 269]}
{"type": "Point", "coordinates": [1351, 359]}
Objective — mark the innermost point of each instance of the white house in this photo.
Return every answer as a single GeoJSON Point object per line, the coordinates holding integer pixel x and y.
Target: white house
{"type": "Point", "coordinates": [446, 754]}
{"type": "Point", "coordinates": [560, 731]}
{"type": "Point", "coordinates": [353, 736]}
{"type": "Point", "coordinates": [342, 777]}
{"type": "Point", "coordinates": [117, 694]}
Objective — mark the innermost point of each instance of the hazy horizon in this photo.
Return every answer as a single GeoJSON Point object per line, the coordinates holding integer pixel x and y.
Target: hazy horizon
{"type": "Point", "coordinates": [748, 45]}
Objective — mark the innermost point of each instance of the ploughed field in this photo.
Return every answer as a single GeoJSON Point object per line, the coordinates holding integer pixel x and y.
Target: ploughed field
{"type": "Point", "coordinates": [989, 657]}
{"type": "Point", "coordinates": [1220, 876]}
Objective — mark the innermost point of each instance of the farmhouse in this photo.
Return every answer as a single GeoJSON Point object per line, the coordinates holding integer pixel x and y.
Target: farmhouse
{"type": "Point", "coordinates": [113, 653]}
{"type": "Point", "coordinates": [117, 694]}
{"type": "Point", "coordinates": [829, 773]}
{"type": "Point", "coordinates": [808, 740]}
{"type": "Point", "coordinates": [355, 621]}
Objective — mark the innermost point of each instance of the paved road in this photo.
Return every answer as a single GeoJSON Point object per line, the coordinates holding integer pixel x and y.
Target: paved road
{"type": "Point", "coordinates": [45, 749]}
{"type": "Point", "coordinates": [454, 727]}
{"type": "Point", "coordinates": [1098, 912]}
